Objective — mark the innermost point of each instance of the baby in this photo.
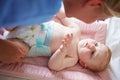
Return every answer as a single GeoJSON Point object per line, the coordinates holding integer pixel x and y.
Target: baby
{"type": "Point", "coordinates": [63, 44]}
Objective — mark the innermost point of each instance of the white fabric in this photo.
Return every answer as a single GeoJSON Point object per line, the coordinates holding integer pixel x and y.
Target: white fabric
{"type": "Point", "coordinates": [113, 41]}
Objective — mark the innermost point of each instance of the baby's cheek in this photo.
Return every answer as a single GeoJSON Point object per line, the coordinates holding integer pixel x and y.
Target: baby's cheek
{"type": "Point", "coordinates": [84, 52]}
{"type": "Point", "coordinates": [84, 56]}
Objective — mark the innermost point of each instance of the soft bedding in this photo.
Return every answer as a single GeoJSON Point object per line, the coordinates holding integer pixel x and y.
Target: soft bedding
{"type": "Point", "coordinates": [36, 68]}
{"type": "Point", "coordinates": [113, 41]}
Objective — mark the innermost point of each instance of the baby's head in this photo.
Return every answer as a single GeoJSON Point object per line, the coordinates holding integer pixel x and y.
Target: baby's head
{"type": "Point", "coordinates": [93, 55]}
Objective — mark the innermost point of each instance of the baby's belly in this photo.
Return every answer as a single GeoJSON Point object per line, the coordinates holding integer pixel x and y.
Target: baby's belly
{"type": "Point", "coordinates": [57, 37]}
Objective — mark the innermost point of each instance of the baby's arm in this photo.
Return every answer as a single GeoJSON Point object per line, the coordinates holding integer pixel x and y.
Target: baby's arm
{"type": "Point", "coordinates": [61, 58]}
{"type": "Point", "coordinates": [63, 19]}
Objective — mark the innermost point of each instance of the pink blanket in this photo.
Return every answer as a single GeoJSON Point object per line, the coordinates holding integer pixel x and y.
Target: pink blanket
{"type": "Point", "coordinates": [36, 68]}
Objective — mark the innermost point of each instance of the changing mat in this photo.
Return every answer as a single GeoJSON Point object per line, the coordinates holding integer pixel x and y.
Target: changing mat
{"type": "Point", "coordinates": [36, 68]}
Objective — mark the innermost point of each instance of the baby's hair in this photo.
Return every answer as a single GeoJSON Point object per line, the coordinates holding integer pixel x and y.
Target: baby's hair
{"type": "Point", "coordinates": [105, 63]}
{"type": "Point", "coordinates": [112, 7]}
{"type": "Point", "coordinates": [109, 56]}
{"type": "Point", "coordinates": [109, 53]}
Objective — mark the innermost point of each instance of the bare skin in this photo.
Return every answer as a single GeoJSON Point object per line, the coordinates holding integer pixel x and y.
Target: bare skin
{"type": "Point", "coordinates": [80, 9]}
{"type": "Point", "coordinates": [65, 56]}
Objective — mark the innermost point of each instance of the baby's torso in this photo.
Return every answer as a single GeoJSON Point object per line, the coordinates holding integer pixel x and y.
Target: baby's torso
{"type": "Point", "coordinates": [59, 33]}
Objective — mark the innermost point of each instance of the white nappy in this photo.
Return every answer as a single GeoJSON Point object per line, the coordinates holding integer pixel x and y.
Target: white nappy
{"type": "Point", "coordinates": [38, 37]}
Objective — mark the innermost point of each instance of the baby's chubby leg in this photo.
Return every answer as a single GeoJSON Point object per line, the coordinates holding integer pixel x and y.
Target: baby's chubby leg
{"type": "Point", "coordinates": [12, 51]}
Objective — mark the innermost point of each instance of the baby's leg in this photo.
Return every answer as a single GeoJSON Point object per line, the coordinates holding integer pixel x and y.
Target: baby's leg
{"type": "Point", "coordinates": [12, 51]}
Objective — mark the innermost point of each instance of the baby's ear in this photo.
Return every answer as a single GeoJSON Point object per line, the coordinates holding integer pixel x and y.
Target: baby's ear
{"type": "Point", "coordinates": [82, 64]}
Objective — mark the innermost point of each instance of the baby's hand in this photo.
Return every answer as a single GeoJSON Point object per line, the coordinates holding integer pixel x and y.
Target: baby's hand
{"type": "Point", "coordinates": [66, 42]}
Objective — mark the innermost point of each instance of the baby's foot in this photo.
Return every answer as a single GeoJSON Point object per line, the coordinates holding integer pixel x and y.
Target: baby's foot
{"type": "Point", "coordinates": [11, 51]}
{"type": "Point", "coordinates": [66, 42]}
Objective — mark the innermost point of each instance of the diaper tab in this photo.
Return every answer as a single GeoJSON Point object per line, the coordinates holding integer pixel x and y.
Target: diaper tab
{"type": "Point", "coordinates": [39, 42]}
{"type": "Point", "coordinates": [43, 27]}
